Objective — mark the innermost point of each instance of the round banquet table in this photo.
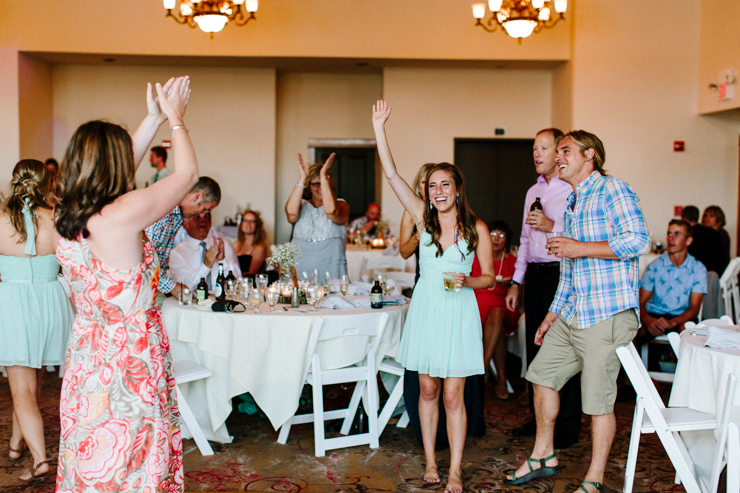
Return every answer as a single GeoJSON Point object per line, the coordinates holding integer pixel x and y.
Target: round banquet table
{"type": "Point", "coordinates": [700, 383]}
{"type": "Point", "coordinates": [263, 354]}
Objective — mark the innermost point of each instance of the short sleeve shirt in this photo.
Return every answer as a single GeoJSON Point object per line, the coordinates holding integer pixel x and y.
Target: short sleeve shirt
{"type": "Point", "coordinates": [672, 286]}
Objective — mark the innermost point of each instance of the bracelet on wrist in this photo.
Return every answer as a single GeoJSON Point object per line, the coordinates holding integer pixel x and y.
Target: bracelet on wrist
{"type": "Point", "coordinates": [513, 282]}
{"type": "Point", "coordinates": [178, 127]}
{"type": "Point", "coordinates": [300, 185]}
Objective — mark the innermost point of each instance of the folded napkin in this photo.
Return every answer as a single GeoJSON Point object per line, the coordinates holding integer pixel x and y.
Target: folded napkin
{"type": "Point", "coordinates": [722, 338]}
{"type": "Point", "coordinates": [336, 303]}
{"type": "Point", "coordinates": [394, 300]}
{"type": "Point", "coordinates": [359, 288]}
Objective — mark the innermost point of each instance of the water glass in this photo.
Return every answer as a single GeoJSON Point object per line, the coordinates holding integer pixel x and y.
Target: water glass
{"type": "Point", "coordinates": [327, 281]}
{"type": "Point", "coordinates": [255, 299]}
{"type": "Point", "coordinates": [316, 276]}
{"type": "Point", "coordinates": [261, 283]}
{"type": "Point", "coordinates": [272, 298]}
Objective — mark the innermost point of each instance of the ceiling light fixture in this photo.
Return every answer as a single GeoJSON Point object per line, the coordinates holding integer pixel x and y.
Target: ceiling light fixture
{"type": "Point", "coordinates": [520, 18]}
{"type": "Point", "coordinates": [211, 16]}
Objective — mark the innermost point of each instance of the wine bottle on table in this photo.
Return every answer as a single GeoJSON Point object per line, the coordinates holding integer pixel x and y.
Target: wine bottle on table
{"type": "Point", "coordinates": [201, 291]}
{"type": "Point", "coordinates": [376, 295]}
{"type": "Point", "coordinates": [220, 283]}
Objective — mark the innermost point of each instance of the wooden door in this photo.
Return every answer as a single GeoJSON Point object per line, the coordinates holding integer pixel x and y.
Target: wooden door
{"type": "Point", "coordinates": [354, 172]}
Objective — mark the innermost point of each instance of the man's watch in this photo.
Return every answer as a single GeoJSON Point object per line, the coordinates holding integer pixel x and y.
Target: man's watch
{"type": "Point", "coordinates": [513, 282]}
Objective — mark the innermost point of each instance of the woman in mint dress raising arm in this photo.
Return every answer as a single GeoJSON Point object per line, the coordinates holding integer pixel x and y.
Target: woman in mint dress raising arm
{"type": "Point", "coordinates": [442, 335]}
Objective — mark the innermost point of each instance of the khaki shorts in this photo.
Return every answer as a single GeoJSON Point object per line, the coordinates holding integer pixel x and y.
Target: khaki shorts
{"type": "Point", "coordinates": [566, 350]}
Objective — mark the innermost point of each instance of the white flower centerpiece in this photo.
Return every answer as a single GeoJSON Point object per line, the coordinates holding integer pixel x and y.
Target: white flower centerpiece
{"type": "Point", "coordinates": [285, 257]}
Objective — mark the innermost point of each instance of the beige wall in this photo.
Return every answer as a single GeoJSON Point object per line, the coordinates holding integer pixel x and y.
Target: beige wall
{"type": "Point", "coordinates": [430, 107]}
{"type": "Point", "coordinates": [231, 117]}
{"type": "Point", "coordinates": [317, 106]}
{"type": "Point", "coordinates": [35, 108]}
{"type": "Point", "coordinates": [719, 50]}
{"type": "Point", "coordinates": [636, 89]}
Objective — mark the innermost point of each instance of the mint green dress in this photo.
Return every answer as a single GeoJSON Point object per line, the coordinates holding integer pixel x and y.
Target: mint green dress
{"type": "Point", "coordinates": [35, 317]}
{"type": "Point", "coordinates": [442, 336]}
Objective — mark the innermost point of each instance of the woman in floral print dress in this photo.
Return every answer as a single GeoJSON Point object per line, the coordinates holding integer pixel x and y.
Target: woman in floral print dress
{"type": "Point", "coordinates": [119, 420]}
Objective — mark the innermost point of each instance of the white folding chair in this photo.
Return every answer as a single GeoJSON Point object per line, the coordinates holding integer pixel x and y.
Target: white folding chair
{"type": "Point", "coordinates": [394, 398]}
{"type": "Point", "coordinates": [402, 279]}
{"type": "Point", "coordinates": [189, 371]}
{"type": "Point", "coordinates": [729, 289]}
{"type": "Point", "coordinates": [317, 377]}
{"type": "Point", "coordinates": [516, 343]}
{"type": "Point", "coordinates": [675, 341]}
{"type": "Point", "coordinates": [721, 456]}
{"type": "Point", "coordinates": [660, 376]}
{"type": "Point", "coordinates": [733, 459]}
{"type": "Point", "coordinates": [651, 416]}
{"type": "Point", "coordinates": [387, 262]}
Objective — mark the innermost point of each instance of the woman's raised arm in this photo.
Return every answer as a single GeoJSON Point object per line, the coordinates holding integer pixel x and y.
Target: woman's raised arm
{"type": "Point", "coordinates": [293, 205]}
{"type": "Point", "coordinates": [411, 202]}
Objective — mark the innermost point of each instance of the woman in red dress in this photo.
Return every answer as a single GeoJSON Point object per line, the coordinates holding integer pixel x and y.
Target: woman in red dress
{"type": "Point", "coordinates": [497, 320]}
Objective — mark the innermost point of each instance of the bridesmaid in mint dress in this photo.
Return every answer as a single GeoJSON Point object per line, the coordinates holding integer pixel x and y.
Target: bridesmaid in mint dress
{"type": "Point", "coordinates": [34, 314]}
{"type": "Point", "coordinates": [442, 336]}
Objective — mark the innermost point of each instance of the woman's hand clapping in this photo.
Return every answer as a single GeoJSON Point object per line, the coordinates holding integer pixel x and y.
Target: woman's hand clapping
{"type": "Point", "coordinates": [327, 166]}
{"type": "Point", "coordinates": [302, 168]}
{"type": "Point", "coordinates": [152, 103]}
{"type": "Point", "coordinates": [175, 101]}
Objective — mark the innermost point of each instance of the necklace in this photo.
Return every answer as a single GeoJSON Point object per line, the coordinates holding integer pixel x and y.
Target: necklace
{"type": "Point", "coordinates": [501, 264]}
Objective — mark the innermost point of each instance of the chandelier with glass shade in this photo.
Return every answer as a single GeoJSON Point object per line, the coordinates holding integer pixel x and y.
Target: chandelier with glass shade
{"type": "Point", "coordinates": [520, 18]}
{"type": "Point", "coordinates": [211, 16]}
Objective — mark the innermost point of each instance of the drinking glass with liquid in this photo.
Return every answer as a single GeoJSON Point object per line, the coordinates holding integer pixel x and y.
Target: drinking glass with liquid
{"type": "Point", "coordinates": [449, 279]}
{"type": "Point", "coordinates": [344, 284]}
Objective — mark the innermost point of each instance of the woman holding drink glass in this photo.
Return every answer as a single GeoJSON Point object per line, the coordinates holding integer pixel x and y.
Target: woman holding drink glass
{"type": "Point", "coordinates": [442, 337]}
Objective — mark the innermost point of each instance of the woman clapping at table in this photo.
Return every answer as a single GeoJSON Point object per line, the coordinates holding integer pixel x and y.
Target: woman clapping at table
{"type": "Point", "coordinates": [34, 315]}
{"type": "Point", "coordinates": [320, 219]}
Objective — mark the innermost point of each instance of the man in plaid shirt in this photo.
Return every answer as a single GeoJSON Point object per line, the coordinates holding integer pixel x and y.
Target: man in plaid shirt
{"type": "Point", "coordinates": [596, 306]}
{"type": "Point", "coordinates": [205, 195]}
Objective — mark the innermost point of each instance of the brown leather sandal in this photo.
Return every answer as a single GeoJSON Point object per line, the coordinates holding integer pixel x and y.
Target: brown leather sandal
{"type": "Point", "coordinates": [33, 469]}
{"type": "Point", "coordinates": [19, 451]}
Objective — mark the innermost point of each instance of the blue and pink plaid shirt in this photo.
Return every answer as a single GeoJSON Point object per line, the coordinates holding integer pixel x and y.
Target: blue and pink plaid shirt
{"type": "Point", "coordinates": [595, 289]}
{"type": "Point", "coordinates": [162, 235]}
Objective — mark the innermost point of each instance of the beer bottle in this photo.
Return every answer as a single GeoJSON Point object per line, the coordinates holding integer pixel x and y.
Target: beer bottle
{"type": "Point", "coordinates": [230, 281]}
{"type": "Point", "coordinates": [536, 205]}
{"type": "Point", "coordinates": [201, 291]}
{"type": "Point", "coordinates": [376, 295]}
{"type": "Point", "coordinates": [220, 283]}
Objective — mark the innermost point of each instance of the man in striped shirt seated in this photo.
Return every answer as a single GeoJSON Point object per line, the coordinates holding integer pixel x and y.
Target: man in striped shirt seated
{"type": "Point", "coordinates": [596, 306]}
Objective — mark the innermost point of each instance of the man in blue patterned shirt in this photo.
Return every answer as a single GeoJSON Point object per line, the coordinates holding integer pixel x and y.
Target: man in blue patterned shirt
{"type": "Point", "coordinates": [672, 288]}
{"type": "Point", "coordinates": [205, 195]}
{"type": "Point", "coordinates": [595, 307]}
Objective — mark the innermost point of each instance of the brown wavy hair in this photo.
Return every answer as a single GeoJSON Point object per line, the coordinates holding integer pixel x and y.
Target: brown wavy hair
{"type": "Point", "coordinates": [30, 182]}
{"type": "Point", "coordinates": [465, 216]}
{"type": "Point", "coordinates": [98, 167]}
{"type": "Point", "coordinates": [259, 229]}
{"type": "Point", "coordinates": [313, 172]}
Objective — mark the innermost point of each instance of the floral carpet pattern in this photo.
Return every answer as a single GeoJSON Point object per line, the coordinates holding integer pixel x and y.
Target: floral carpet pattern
{"type": "Point", "coordinates": [256, 462]}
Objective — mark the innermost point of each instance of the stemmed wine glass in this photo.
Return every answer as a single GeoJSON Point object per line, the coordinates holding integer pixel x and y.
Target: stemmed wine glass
{"type": "Point", "coordinates": [262, 283]}
{"type": "Point", "coordinates": [327, 281]}
{"type": "Point", "coordinates": [312, 296]}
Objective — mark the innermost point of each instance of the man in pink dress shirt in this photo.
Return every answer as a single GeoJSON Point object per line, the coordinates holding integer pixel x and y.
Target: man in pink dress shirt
{"type": "Point", "coordinates": [540, 272]}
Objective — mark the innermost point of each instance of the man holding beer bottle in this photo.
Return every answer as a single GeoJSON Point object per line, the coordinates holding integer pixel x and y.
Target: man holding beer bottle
{"type": "Point", "coordinates": [539, 272]}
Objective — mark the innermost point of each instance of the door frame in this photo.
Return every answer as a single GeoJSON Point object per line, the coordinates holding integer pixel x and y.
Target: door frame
{"type": "Point", "coordinates": [313, 144]}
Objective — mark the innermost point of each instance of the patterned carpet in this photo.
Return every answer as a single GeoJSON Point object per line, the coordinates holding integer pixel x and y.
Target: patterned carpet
{"type": "Point", "coordinates": [256, 462]}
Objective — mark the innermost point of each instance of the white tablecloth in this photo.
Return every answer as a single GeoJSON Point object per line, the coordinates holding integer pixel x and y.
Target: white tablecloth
{"type": "Point", "coordinates": [357, 254]}
{"type": "Point", "coordinates": [700, 383]}
{"type": "Point", "coordinates": [701, 374]}
{"type": "Point", "coordinates": [263, 354]}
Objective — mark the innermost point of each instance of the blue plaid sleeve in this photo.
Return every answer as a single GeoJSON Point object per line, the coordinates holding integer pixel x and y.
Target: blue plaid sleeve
{"type": "Point", "coordinates": [622, 207]}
